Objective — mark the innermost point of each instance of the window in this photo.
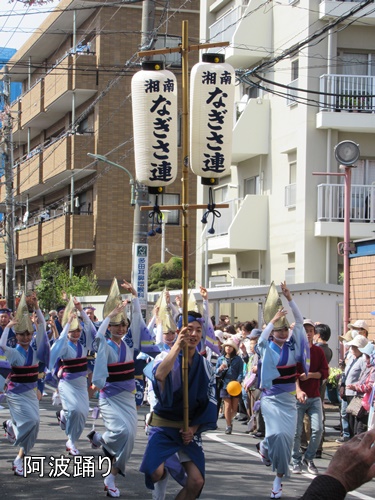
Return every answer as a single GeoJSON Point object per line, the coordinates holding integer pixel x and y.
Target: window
{"type": "Point", "coordinates": [174, 59]}
{"type": "Point", "coordinates": [251, 185]}
{"type": "Point", "coordinates": [250, 274]}
{"type": "Point", "coordinates": [356, 63]}
{"type": "Point", "coordinates": [292, 94]}
{"type": "Point", "coordinates": [290, 272]}
{"type": "Point", "coordinates": [295, 69]}
{"type": "Point", "coordinates": [292, 172]}
{"type": "Point", "coordinates": [86, 126]}
{"type": "Point", "coordinates": [363, 174]}
{"type": "Point", "coordinates": [168, 199]}
{"type": "Point", "coordinates": [221, 194]}
{"type": "Point", "coordinates": [290, 189]}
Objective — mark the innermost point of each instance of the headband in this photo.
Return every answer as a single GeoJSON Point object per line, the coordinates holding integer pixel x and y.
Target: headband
{"type": "Point", "coordinates": [191, 318]}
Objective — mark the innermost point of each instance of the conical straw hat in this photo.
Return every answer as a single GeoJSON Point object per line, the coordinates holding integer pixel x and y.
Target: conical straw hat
{"type": "Point", "coordinates": [192, 303]}
{"type": "Point", "coordinates": [168, 323]}
{"type": "Point", "coordinates": [113, 300]}
{"type": "Point", "coordinates": [24, 323]}
{"type": "Point", "coordinates": [272, 305]}
{"type": "Point", "coordinates": [74, 325]}
{"type": "Point", "coordinates": [162, 304]}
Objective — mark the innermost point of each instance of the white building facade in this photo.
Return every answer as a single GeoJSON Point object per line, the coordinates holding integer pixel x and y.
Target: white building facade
{"type": "Point", "coordinates": [307, 82]}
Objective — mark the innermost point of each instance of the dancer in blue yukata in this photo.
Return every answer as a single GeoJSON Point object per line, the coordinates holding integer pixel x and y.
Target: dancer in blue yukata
{"type": "Point", "coordinates": [280, 353]}
{"type": "Point", "coordinates": [5, 367]}
{"type": "Point", "coordinates": [114, 376]}
{"type": "Point", "coordinates": [166, 435]}
{"type": "Point", "coordinates": [21, 385]}
{"type": "Point", "coordinates": [69, 360]}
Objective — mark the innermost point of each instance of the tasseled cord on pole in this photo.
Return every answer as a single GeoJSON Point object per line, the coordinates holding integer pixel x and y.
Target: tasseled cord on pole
{"type": "Point", "coordinates": [211, 210]}
{"type": "Point", "coordinates": [156, 220]}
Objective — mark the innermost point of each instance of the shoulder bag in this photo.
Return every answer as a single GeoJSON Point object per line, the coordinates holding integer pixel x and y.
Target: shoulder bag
{"type": "Point", "coordinates": [354, 406]}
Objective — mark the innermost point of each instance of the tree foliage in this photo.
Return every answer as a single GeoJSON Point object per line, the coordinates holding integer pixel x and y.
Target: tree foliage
{"type": "Point", "coordinates": [30, 3]}
{"type": "Point", "coordinates": [55, 280]}
{"type": "Point", "coordinates": [168, 274]}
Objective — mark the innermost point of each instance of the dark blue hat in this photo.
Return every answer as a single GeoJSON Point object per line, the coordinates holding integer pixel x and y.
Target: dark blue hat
{"type": "Point", "coordinates": [5, 310]}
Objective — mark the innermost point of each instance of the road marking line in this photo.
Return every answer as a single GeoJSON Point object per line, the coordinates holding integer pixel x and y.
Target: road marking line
{"type": "Point", "coordinates": [215, 437]}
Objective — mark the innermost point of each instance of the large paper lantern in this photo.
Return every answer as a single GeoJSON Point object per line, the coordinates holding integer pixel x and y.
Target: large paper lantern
{"type": "Point", "coordinates": [154, 97]}
{"type": "Point", "coordinates": [211, 117]}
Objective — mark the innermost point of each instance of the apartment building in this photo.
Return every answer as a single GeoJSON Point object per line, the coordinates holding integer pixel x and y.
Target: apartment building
{"type": "Point", "coordinates": [307, 76]}
{"type": "Point", "coordinates": [76, 72]}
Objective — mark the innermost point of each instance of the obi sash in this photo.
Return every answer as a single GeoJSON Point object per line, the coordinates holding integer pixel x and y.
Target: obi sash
{"type": "Point", "coordinates": [74, 365]}
{"type": "Point", "coordinates": [24, 374]}
{"type": "Point", "coordinates": [287, 375]}
{"type": "Point", "coordinates": [118, 372]}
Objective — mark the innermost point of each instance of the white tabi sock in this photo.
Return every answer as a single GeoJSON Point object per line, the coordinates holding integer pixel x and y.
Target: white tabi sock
{"type": "Point", "coordinates": [110, 481]}
{"type": "Point", "coordinates": [277, 483]}
{"type": "Point", "coordinates": [160, 488]}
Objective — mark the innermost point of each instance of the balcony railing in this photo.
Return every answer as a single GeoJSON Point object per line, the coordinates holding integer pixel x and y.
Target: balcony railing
{"type": "Point", "coordinates": [72, 73]}
{"type": "Point", "coordinates": [223, 29]}
{"type": "Point", "coordinates": [32, 103]}
{"type": "Point", "coordinates": [353, 93]}
{"type": "Point", "coordinates": [290, 195]}
{"type": "Point", "coordinates": [331, 203]}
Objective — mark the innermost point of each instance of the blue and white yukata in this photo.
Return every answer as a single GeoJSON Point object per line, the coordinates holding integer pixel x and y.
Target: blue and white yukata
{"type": "Point", "coordinates": [114, 375]}
{"type": "Point", "coordinates": [278, 384]}
{"type": "Point", "coordinates": [22, 384]}
{"type": "Point", "coordinates": [165, 441]}
{"type": "Point", "coordinates": [5, 367]}
{"type": "Point", "coordinates": [70, 361]}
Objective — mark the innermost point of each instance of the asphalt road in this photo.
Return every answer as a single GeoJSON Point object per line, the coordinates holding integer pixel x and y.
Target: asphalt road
{"type": "Point", "coordinates": [233, 469]}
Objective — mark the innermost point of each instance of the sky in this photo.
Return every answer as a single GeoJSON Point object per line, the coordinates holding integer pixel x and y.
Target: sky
{"type": "Point", "coordinates": [17, 22]}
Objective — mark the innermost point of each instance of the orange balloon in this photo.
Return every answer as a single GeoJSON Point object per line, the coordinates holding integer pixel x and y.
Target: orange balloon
{"type": "Point", "coordinates": [234, 388]}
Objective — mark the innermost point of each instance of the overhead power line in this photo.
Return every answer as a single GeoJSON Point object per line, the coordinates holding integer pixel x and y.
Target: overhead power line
{"type": "Point", "coordinates": [298, 46]}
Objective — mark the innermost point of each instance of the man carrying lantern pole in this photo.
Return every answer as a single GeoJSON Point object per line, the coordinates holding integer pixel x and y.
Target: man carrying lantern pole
{"type": "Point", "coordinates": [167, 435]}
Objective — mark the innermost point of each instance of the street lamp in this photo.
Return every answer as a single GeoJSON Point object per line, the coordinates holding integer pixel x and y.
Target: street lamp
{"type": "Point", "coordinates": [347, 153]}
{"type": "Point", "coordinates": [138, 197]}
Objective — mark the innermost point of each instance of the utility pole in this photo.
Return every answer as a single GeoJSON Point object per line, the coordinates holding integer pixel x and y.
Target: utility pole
{"type": "Point", "coordinates": [140, 221]}
{"type": "Point", "coordinates": [6, 144]}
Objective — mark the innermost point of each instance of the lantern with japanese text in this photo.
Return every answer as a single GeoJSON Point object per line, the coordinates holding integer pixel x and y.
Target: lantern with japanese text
{"type": "Point", "coordinates": [211, 117]}
{"type": "Point", "coordinates": [154, 97]}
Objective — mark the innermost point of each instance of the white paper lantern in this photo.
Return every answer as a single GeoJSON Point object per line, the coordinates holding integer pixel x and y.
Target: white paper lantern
{"type": "Point", "coordinates": [154, 98]}
{"type": "Point", "coordinates": [211, 117]}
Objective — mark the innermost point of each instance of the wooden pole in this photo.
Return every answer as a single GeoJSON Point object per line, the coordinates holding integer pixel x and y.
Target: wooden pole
{"type": "Point", "coordinates": [185, 212]}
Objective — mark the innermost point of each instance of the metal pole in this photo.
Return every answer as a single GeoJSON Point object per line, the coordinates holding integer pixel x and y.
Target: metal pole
{"type": "Point", "coordinates": [162, 250]}
{"type": "Point", "coordinates": [347, 196]}
{"type": "Point", "coordinates": [70, 263]}
{"type": "Point", "coordinates": [72, 195]}
{"type": "Point", "coordinates": [185, 212]}
{"type": "Point", "coordinates": [74, 32]}
{"type": "Point", "coordinates": [29, 74]}
{"type": "Point", "coordinates": [26, 273]}
{"type": "Point", "coordinates": [9, 200]}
